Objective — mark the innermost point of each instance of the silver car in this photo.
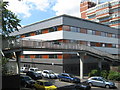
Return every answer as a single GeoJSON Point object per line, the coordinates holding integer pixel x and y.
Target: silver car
{"type": "Point", "coordinates": [100, 81]}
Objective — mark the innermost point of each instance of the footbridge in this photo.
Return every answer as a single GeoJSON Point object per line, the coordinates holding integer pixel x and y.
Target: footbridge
{"type": "Point", "coordinates": [23, 44]}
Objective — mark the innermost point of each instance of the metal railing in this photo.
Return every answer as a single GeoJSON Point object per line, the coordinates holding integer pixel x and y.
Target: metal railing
{"type": "Point", "coordinates": [30, 43]}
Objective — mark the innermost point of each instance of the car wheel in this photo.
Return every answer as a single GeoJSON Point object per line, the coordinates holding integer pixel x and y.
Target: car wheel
{"type": "Point", "coordinates": [90, 84]}
{"type": "Point", "coordinates": [60, 79]}
{"type": "Point", "coordinates": [69, 80]}
{"type": "Point", "coordinates": [25, 85]}
{"type": "Point", "coordinates": [107, 86]}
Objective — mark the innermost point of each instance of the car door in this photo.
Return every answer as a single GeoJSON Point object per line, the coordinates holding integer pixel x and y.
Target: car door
{"type": "Point", "coordinates": [93, 81]}
{"type": "Point", "coordinates": [100, 82]}
{"type": "Point", "coordinates": [41, 85]}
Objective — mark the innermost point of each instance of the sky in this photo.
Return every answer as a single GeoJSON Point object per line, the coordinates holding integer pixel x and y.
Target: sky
{"type": "Point", "coordinates": [31, 11]}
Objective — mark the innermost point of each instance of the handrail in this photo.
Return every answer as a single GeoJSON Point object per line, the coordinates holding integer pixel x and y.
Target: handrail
{"type": "Point", "coordinates": [52, 45]}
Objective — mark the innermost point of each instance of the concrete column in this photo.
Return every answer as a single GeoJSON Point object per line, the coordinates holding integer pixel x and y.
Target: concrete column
{"type": "Point", "coordinates": [81, 58]}
{"type": "Point", "coordinates": [81, 68]}
{"type": "Point", "coordinates": [100, 65]}
{"type": "Point", "coordinates": [18, 62]}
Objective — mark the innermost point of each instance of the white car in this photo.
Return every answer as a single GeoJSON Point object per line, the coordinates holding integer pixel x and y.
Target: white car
{"type": "Point", "coordinates": [49, 74]}
{"type": "Point", "coordinates": [23, 69]}
{"type": "Point", "coordinates": [33, 69]}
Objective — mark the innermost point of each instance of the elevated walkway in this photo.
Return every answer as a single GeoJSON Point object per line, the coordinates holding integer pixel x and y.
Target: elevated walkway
{"type": "Point", "coordinates": [37, 44]}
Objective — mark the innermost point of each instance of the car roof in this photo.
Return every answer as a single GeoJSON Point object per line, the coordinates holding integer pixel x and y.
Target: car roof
{"type": "Point", "coordinates": [96, 77]}
{"type": "Point", "coordinates": [65, 73]}
{"type": "Point", "coordinates": [24, 76]}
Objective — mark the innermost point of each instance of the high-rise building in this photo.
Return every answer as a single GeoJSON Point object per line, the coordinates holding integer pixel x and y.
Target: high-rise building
{"type": "Point", "coordinates": [106, 13]}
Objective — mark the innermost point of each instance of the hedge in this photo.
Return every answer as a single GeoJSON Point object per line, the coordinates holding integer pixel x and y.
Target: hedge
{"type": "Point", "coordinates": [111, 75]}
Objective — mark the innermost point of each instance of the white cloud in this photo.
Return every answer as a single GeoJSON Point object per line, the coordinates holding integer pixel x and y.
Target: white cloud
{"type": "Point", "coordinates": [24, 6]}
{"type": "Point", "coordinates": [70, 7]}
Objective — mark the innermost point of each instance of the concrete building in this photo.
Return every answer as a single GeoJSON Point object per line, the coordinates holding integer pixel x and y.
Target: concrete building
{"type": "Point", "coordinates": [68, 29]}
{"type": "Point", "coordinates": [107, 13]}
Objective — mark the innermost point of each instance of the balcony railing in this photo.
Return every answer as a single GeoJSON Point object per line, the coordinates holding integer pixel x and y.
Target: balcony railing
{"type": "Point", "coordinates": [19, 43]}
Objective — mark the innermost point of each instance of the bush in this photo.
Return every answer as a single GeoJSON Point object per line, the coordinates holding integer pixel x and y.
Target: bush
{"type": "Point", "coordinates": [104, 74]}
{"type": "Point", "coordinates": [94, 73]}
{"type": "Point", "coordinates": [113, 75]}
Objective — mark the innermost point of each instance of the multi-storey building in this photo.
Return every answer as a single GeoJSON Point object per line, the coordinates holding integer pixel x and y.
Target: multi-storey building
{"type": "Point", "coordinates": [68, 29]}
{"type": "Point", "coordinates": [107, 13]}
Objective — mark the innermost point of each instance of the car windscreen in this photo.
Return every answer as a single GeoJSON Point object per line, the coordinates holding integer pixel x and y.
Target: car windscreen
{"type": "Point", "coordinates": [27, 78]}
{"type": "Point", "coordinates": [71, 75]}
{"type": "Point", "coordinates": [37, 74]}
{"type": "Point", "coordinates": [48, 84]}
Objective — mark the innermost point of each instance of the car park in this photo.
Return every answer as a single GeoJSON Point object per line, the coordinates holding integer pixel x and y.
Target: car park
{"type": "Point", "coordinates": [68, 77]}
{"type": "Point", "coordinates": [34, 75]}
{"type": "Point", "coordinates": [101, 82]}
{"type": "Point", "coordinates": [26, 81]}
{"type": "Point", "coordinates": [44, 85]}
{"type": "Point", "coordinates": [49, 74]}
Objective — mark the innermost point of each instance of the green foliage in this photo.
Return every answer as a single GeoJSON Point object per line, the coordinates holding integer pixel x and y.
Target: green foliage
{"type": "Point", "coordinates": [119, 68]}
{"type": "Point", "coordinates": [94, 73]}
{"type": "Point", "coordinates": [10, 22]}
{"type": "Point", "coordinates": [113, 75]}
{"type": "Point", "coordinates": [104, 74]}
{"type": "Point", "coordinates": [4, 65]}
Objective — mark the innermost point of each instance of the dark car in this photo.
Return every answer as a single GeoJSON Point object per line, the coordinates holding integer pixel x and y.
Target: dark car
{"type": "Point", "coordinates": [26, 81]}
{"type": "Point", "coordinates": [34, 75]}
{"type": "Point", "coordinates": [82, 87]}
{"type": "Point", "coordinates": [68, 77]}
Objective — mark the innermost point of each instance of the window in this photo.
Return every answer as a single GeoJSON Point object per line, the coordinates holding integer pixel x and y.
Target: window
{"type": "Point", "coordinates": [52, 29]}
{"type": "Point", "coordinates": [109, 35]}
{"type": "Point", "coordinates": [103, 34]}
{"type": "Point", "coordinates": [38, 56]}
{"type": "Point", "coordinates": [98, 33]}
{"type": "Point", "coordinates": [113, 35]}
{"type": "Point", "coordinates": [89, 32]}
{"type": "Point", "coordinates": [114, 45]}
{"type": "Point", "coordinates": [41, 83]}
{"type": "Point", "coordinates": [73, 29]}
{"type": "Point", "coordinates": [92, 44]}
{"type": "Point", "coordinates": [82, 30]}
{"type": "Point", "coordinates": [59, 28]}
{"type": "Point", "coordinates": [93, 32]}
{"type": "Point", "coordinates": [66, 28]}
{"type": "Point", "coordinates": [27, 56]}
{"type": "Point", "coordinates": [38, 32]}
{"type": "Point", "coordinates": [53, 56]}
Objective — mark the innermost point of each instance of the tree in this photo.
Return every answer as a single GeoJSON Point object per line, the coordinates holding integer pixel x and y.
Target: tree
{"type": "Point", "coordinates": [10, 22]}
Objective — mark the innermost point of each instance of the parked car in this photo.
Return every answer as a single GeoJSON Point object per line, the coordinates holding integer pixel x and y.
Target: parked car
{"type": "Point", "coordinates": [23, 69]}
{"type": "Point", "coordinates": [34, 75]}
{"type": "Point", "coordinates": [44, 85]}
{"type": "Point", "coordinates": [49, 74]}
{"type": "Point", "coordinates": [82, 87]}
{"type": "Point", "coordinates": [68, 77]}
{"type": "Point", "coordinates": [33, 69]}
{"type": "Point", "coordinates": [100, 81]}
{"type": "Point", "coordinates": [26, 81]}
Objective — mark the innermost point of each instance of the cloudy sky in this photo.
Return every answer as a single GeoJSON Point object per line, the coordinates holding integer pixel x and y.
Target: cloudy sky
{"type": "Point", "coordinates": [31, 11]}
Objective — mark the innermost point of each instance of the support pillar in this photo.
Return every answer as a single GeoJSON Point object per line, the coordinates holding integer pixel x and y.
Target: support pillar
{"type": "Point", "coordinates": [81, 68]}
{"type": "Point", "coordinates": [18, 62]}
{"type": "Point", "coordinates": [100, 63]}
{"type": "Point", "coordinates": [81, 58]}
